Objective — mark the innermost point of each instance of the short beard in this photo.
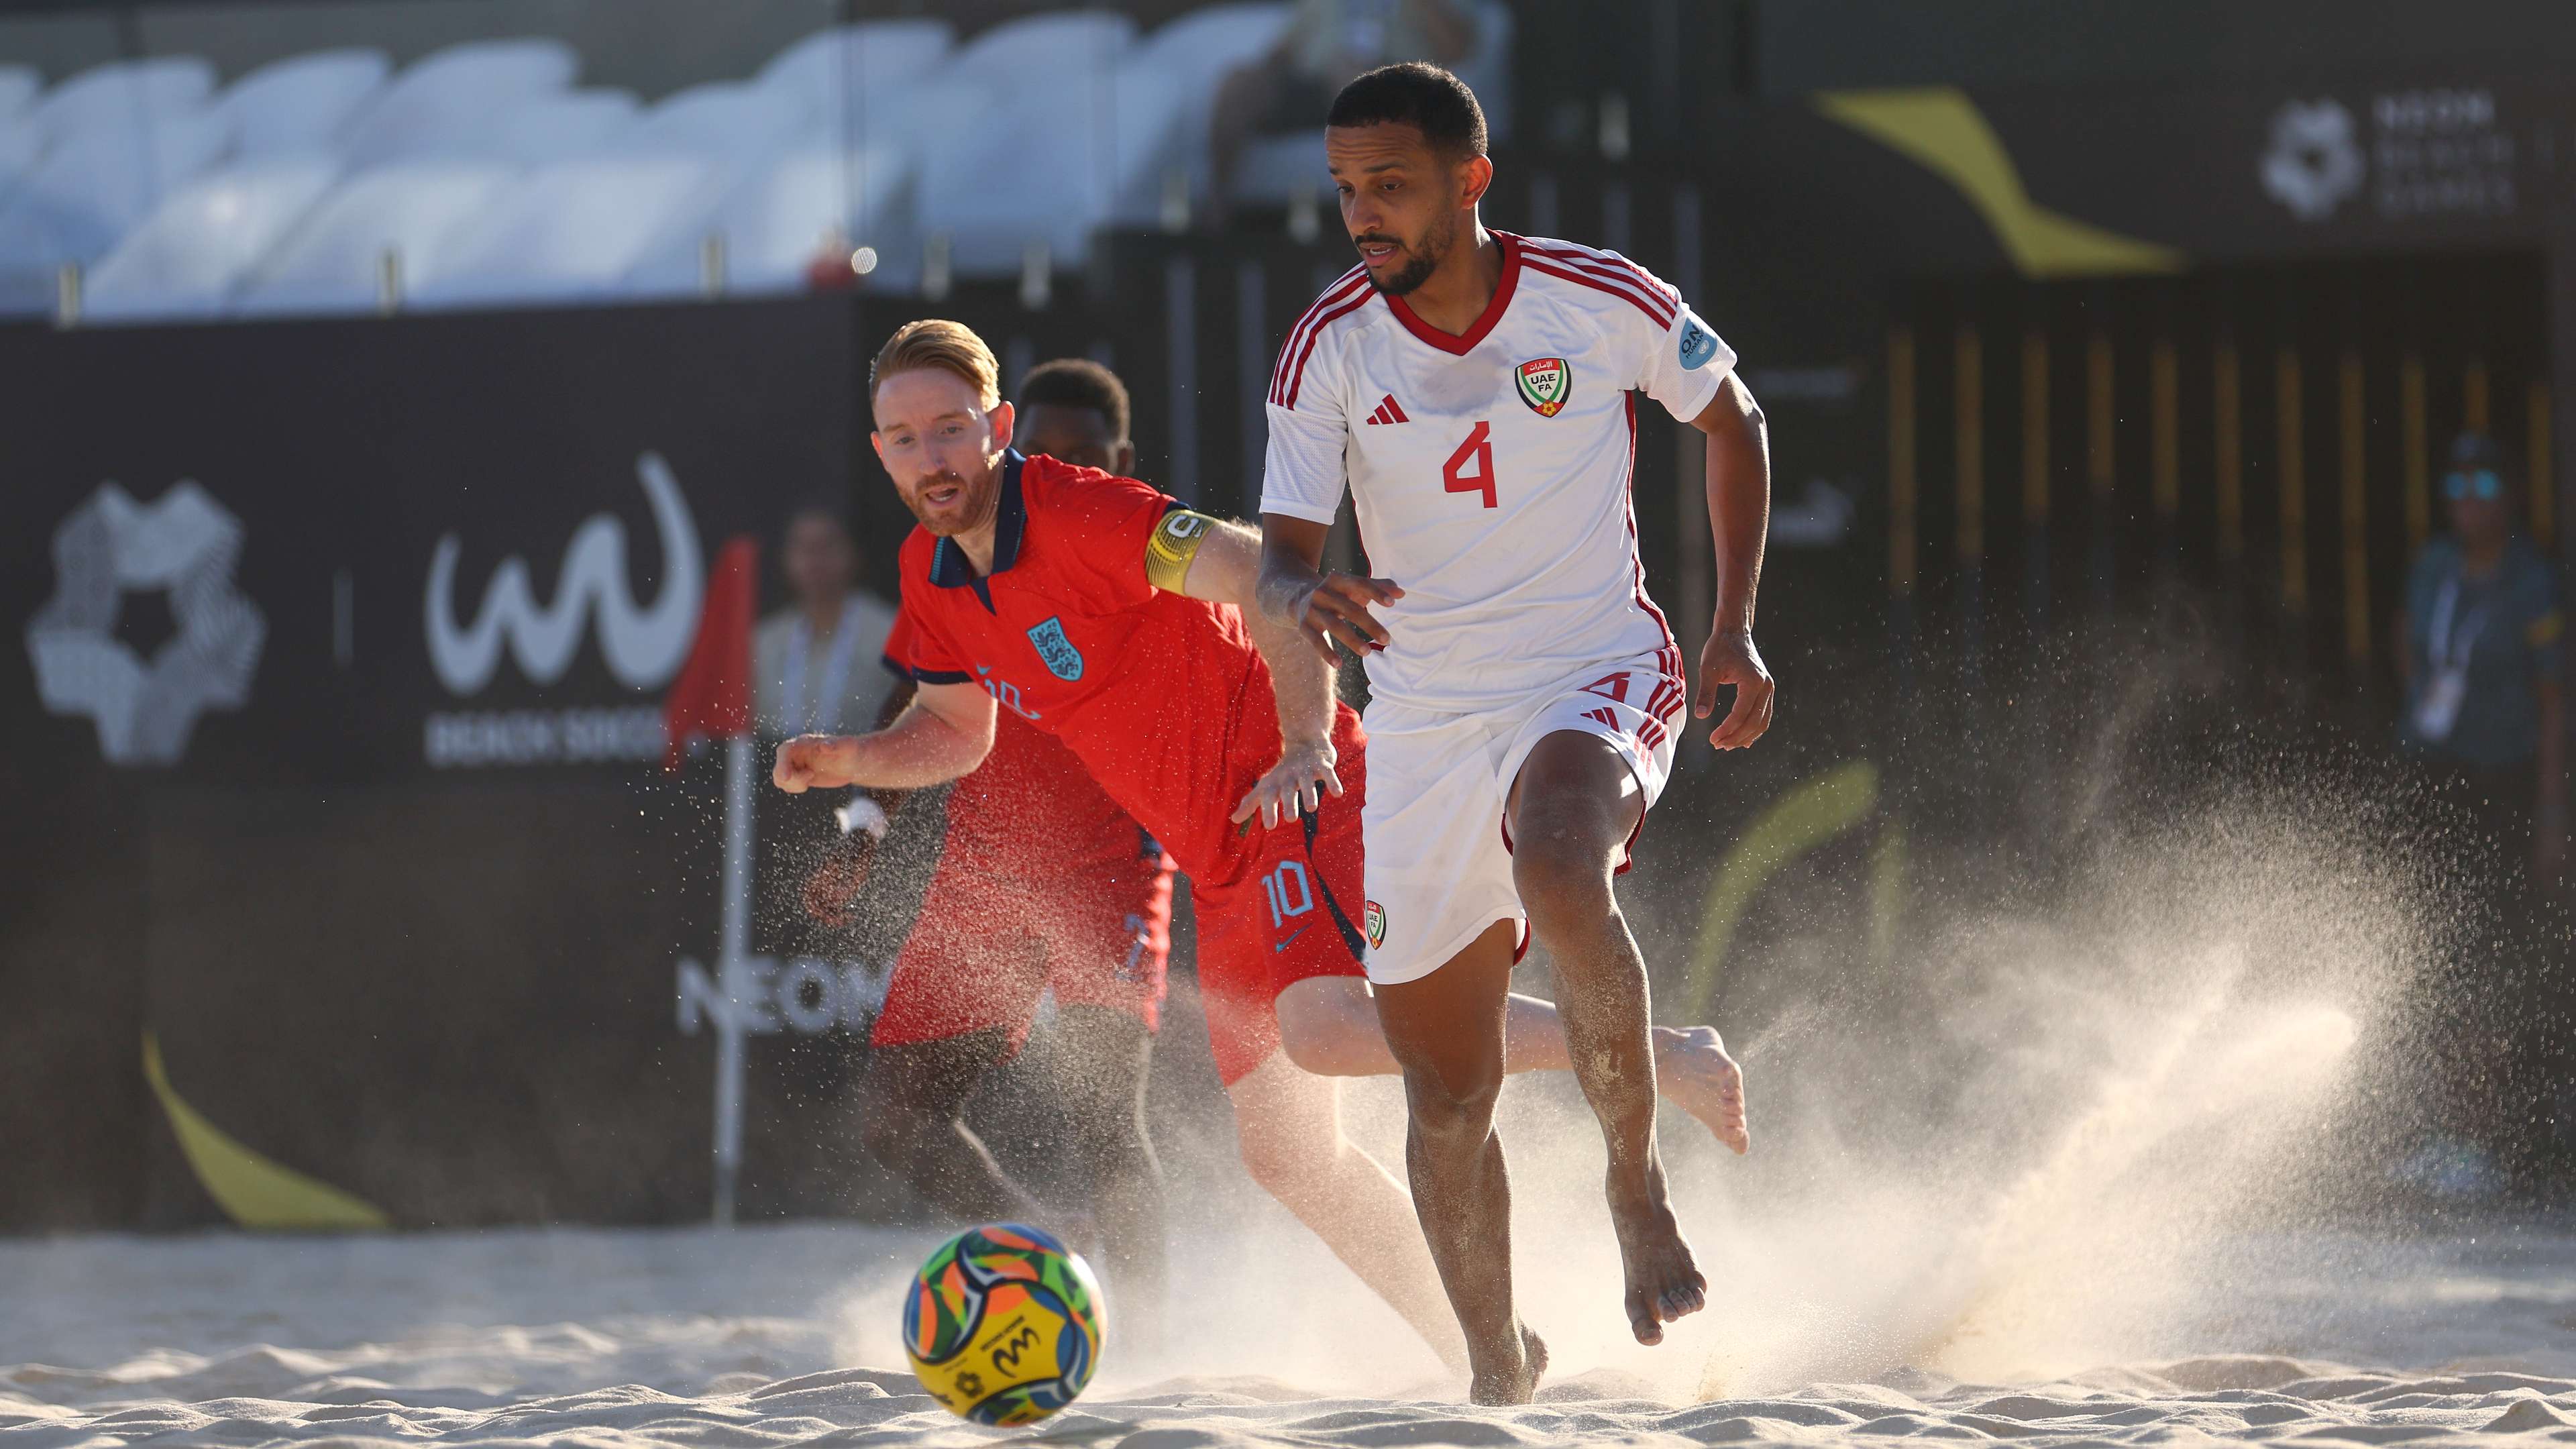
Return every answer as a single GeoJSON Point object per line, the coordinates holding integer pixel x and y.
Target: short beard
{"type": "Point", "coordinates": [1426, 260]}
{"type": "Point", "coordinates": [981, 509]}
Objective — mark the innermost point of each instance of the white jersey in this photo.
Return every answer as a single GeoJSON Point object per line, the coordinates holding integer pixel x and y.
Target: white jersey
{"type": "Point", "coordinates": [1490, 472]}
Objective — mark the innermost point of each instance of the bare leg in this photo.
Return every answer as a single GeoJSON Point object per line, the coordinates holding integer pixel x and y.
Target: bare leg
{"type": "Point", "coordinates": [1574, 808]}
{"type": "Point", "coordinates": [1107, 1056]}
{"type": "Point", "coordinates": [1330, 1027]}
{"type": "Point", "coordinates": [916, 1126]}
{"type": "Point", "coordinates": [1446, 1030]}
{"type": "Point", "coordinates": [1290, 1127]}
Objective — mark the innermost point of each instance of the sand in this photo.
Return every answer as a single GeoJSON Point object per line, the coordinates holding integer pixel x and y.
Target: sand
{"type": "Point", "coordinates": [622, 1339]}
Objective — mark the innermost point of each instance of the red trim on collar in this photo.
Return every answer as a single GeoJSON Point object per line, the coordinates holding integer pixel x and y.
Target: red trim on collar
{"type": "Point", "coordinates": [1462, 344]}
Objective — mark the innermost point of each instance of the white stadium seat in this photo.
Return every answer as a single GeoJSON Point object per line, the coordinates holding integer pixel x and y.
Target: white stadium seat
{"type": "Point", "coordinates": [20, 144]}
{"type": "Point", "coordinates": [19, 86]}
{"type": "Point", "coordinates": [775, 223]}
{"type": "Point", "coordinates": [189, 257]}
{"type": "Point", "coordinates": [538, 130]}
{"type": "Point", "coordinates": [301, 103]}
{"type": "Point", "coordinates": [333, 262]}
{"type": "Point", "coordinates": [720, 119]}
{"type": "Point", "coordinates": [573, 230]}
{"type": "Point", "coordinates": [874, 55]}
{"type": "Point", "coordinates": [124, 96]}
{"type": "Point", "coordinates": [1047, 165]}
{"type": "Point", "coordinates": [95, 185]}
{"type": "Point", "coordinates": [450, 89]}
{"type": "Point", "coordinates": [1199, 49]}
{"type": "Point", "coordinates": [1053, 48]}
{"type": "Point", "coordinates": [1275, 168]}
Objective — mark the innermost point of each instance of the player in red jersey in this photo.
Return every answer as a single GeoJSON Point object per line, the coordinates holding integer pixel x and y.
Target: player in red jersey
{"type": "Point", "coordinates": [1043, 885]}
{"type": "Point", "coordinates": [1107, 614]}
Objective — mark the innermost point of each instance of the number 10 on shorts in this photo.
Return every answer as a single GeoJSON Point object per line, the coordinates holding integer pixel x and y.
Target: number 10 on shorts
{"type": "Point", "coordinates": [1290, 894]}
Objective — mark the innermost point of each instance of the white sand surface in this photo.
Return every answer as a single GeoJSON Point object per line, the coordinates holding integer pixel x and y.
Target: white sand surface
{"type": "Point", "coordinates": [623, 1339]}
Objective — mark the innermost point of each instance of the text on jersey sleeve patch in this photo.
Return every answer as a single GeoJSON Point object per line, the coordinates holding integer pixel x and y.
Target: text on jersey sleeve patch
{"type": "Point", "coordinates": [1698, 344]}
{"type": "Point", "coordinates": [1174, 542]}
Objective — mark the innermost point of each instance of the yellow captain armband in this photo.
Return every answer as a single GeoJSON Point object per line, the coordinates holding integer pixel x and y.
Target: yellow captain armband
{"type": "Point", "coordinates": [1174, 542]}
{"type": "Point", "coordinates": [2544, 630]}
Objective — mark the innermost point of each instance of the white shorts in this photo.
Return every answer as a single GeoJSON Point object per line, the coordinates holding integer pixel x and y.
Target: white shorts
{"type": "Point", "coordinates": [1439, 856]}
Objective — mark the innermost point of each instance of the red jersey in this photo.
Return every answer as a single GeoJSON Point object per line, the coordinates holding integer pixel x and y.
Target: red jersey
{"type": "Point", "coordinates": [1162, 696]}
{"type": "Point", "coordinates": [1031, 811]}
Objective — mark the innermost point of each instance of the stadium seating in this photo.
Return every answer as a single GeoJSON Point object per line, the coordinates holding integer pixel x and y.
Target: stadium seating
{"type": "Point", "coordinates": [1275, 169]}
{"type": "Point", "coordinates": [334, 260]}
{"type": "Point", "coordinates": [123, 95]}
{"type": "Point", "coordinates": [489, 179]}
{"type": "Point", "coordinates": [301, 103]}
{"type": "Point", "coordinates": [457, 89]}
{"type": "Point", "coordinates": [187, 260]}
{"type": "Point", "coordinates": [19, 87]}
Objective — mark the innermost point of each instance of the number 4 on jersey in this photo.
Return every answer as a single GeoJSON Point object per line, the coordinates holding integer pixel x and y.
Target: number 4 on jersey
{"type": "Point", "coordinates": [1478, 450]}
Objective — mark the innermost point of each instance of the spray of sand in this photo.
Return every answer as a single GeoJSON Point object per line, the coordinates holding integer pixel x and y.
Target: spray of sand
{"type": "Point", "coordinates": [2040, 1143]}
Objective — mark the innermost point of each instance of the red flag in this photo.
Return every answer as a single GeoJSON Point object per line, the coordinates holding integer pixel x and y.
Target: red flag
{"type": "Point", "coordinates": [712, 696]}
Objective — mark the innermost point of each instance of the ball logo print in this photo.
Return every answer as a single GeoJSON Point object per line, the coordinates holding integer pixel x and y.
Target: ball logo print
{"type": "Point", "coordinates": [184, 544]}
{"type": "Point", "coordinates": [1544, 384]}
{"type": "Point", "coordinates": [643, 646]}
{"type": "Point", "coordinates": [1003, 1324]}
{"type": "Point", "coordinates": [2314, 162]}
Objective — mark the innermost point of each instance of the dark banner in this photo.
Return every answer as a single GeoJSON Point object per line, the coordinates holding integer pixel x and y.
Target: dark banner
{"type": "Point", "coordinates": [338, 839]}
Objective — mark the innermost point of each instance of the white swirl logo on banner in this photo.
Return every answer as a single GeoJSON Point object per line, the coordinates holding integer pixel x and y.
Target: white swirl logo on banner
{"type": "Point", "coordinates": [185, 544]}
{"type": "Point", "coordinates": [2314, 161]}
{"type": "Point", "coordinates": [642, 646]}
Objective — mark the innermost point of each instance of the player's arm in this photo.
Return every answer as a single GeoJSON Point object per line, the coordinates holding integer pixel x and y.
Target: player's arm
{"type": "Point", "coordinates": [833, 885]}
{"type": "Point", "coordinates": [945, 733]}
{"type": "Point", "coordinates": [1739, 518]}
{"type": "Point", "coordinates": [1208, 558]}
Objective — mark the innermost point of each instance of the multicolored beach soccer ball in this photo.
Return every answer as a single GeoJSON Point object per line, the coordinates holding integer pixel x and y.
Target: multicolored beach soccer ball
{"type": "Point", "coordinates": [1003, 1324]}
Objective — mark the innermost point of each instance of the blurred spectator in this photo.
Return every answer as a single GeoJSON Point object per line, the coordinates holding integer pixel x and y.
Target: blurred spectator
{"type": "Point", "coordinates": [818, 657]}
{"type": "Point", "coordinates": [1328, 42]}
{"type": "Point", "coordinates": [2478, 650]}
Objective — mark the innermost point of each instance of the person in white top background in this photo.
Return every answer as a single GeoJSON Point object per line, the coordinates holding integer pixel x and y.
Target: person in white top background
{"type": "Point", "coordinates": [1474, 392]}
{"type": "Point", "coordinates": [817, 658]}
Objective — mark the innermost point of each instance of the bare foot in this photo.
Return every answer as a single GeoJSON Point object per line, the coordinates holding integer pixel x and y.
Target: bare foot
{"type": "Point", "coordinates": [1664, 1281]}
{"type": "Point", "coordinates": [1693, 1069]}
{"type": "Point", "coordinates": [1515, 1384]}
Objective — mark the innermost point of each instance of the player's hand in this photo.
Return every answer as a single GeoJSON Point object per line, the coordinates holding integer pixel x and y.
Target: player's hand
{"type": "Point", "coordinates": [1338, 608]}
{"type": "Point", "coordinates": [815, 762]}
{"type": "Point", "coordinates": [1296, 785]}
{"type": "Point", "coordinates": [1730, 658]}
{"type": "Point", "coordinates": [835, 883]}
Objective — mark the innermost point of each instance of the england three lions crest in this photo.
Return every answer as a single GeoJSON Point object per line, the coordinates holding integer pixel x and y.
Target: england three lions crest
{"type": "Point", "coordinates": [1545, 382]}
{"type": "Point", "coordinates": [1056, 651]}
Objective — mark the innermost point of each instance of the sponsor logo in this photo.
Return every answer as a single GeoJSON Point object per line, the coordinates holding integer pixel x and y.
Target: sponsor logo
{"type": "Point", "coordinates": [1544, 384]}
{"type": "Point", "coordinates": [2314, 162]}
{"type": "Point", "coordinates": [184, 545]}
{"type": "Point", "coordinates": [1698, 344]}
{"type": "Point", "coordinates": [1056, 651]}
{"type": "Point", "coordinates": [1376, 924]}
{"type": "Point", "coordinates": [1388, 412]}
{"type": "Point", "coordinates": [1280, 947]}
{"type": "Point", "coordinates": [643, 646]}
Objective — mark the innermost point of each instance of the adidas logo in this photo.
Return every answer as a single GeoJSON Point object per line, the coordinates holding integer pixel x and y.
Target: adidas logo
{"type": "Point", "coordinates": [1388, 412]}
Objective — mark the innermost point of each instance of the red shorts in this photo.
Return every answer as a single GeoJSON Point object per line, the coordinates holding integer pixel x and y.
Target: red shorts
{"type": "Point", "coordinates": [986, 947]}
{"type": "Point", "coordinates": [1288, 917]}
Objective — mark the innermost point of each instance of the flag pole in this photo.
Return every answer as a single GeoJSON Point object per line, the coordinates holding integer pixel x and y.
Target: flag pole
{"type": "Point", "coordinates": [733, 950]}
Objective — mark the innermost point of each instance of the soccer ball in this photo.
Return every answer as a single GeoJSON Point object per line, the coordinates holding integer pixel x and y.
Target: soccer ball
{"type": "Point", "coordinates": [1003, 1324]}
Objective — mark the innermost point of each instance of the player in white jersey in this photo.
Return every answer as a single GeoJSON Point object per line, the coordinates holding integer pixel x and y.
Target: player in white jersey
{"type": "Point", "coordinates": [1475, 393]}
